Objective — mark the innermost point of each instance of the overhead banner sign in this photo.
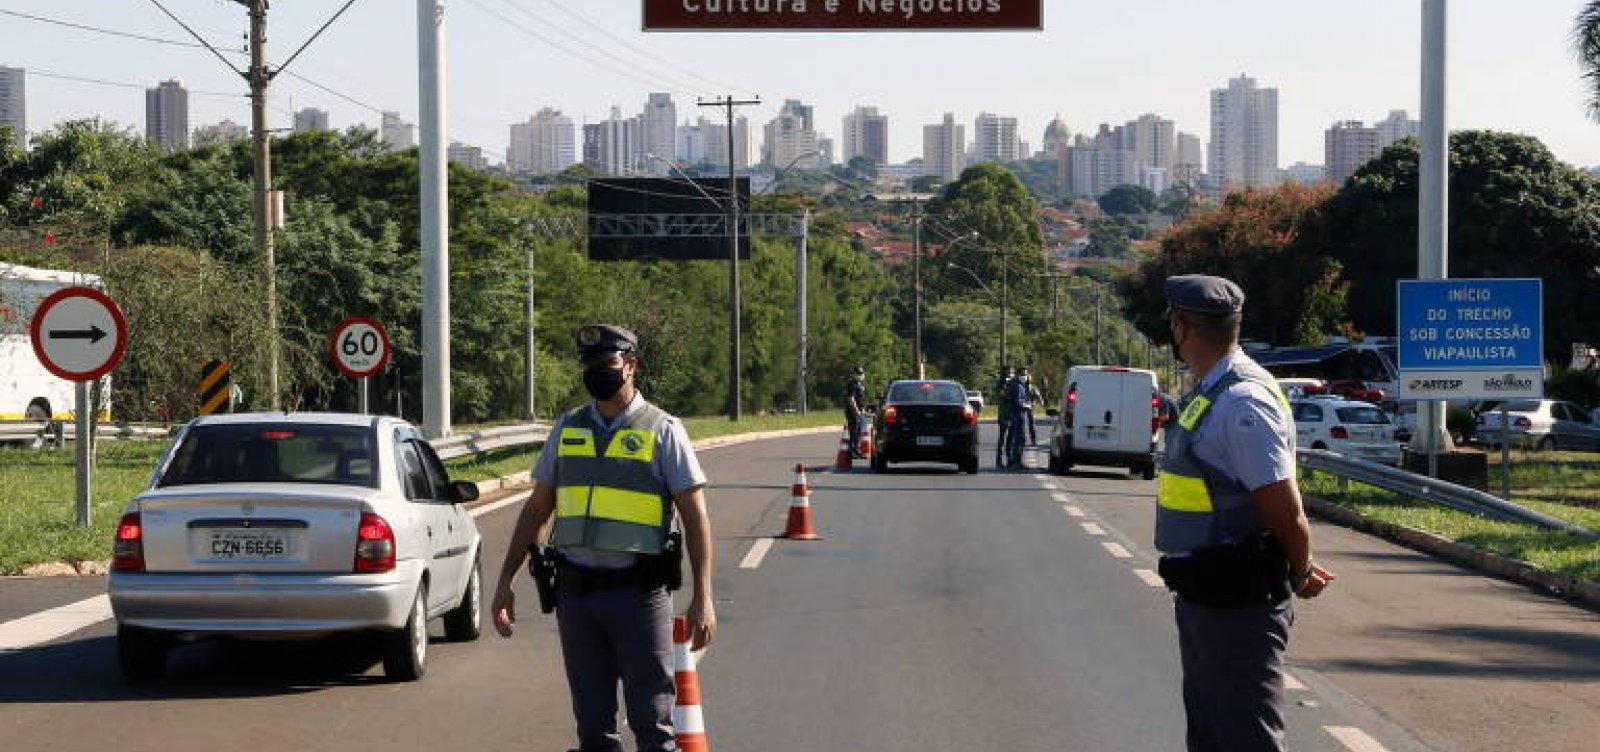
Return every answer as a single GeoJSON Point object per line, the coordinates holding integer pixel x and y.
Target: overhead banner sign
{"type": "Point", "coordinates": [665, 219]}
{"type": "Point", "coordinates": [843, 15]}
{"type": "Point", "coordinates": [1471, 338]}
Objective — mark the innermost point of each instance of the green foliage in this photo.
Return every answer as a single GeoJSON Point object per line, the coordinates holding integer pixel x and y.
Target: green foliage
{"type": "Point", "coordinates": [1128, 199]}
{"type": "Point", "coordinates": [1586, 46]}
{"type": "Point", "coordinates": [1582, 387]}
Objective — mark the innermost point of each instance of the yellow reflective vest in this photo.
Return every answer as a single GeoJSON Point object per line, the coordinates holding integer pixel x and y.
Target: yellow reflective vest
{"type": "Point", "coordinates": [609, 496]}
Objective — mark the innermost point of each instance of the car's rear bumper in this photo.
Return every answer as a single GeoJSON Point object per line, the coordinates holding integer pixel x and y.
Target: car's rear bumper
{"type": "Point", "coordinates": [957, 448]}
{"type": "Point", "coordinates": [264, 605]}
{"type": "Point", "coordinates": [1075, 456]}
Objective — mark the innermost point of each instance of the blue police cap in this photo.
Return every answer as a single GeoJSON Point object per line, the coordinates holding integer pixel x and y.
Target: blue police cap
{"type": "Point", "coordinates": [1204, 294]}
{"type": "Point", "coordinates": [598, 343]}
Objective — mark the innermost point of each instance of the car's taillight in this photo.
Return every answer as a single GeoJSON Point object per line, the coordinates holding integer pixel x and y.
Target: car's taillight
{"type": "Point", "coordinates": [1155, 413]}
{"type": "Point", "coordinates": [891, 415]}
{"type": "Point", "coordinates": [127, 553]}
{"type": "Point", "coordinates": [969, 416]}
{"type": "Point", "coordinates": [374, 544]}
{"type": "Point", "coordinates": [1522, 422]}
{"type": "Point", "coordinates": [1067, 408]}
{"type": "Point", "coordinates": [1338, 432]}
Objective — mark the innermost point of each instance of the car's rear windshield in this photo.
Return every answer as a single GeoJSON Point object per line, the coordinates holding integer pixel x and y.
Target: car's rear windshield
{"type": "Point", "coordinates": [1520, 406]}
{"type": "Point", "coordinates": [274, 453]}
{"type": "Point", "coordinates": [1362, 415]}
{"type": "Point", "coordinates": [927, 391]}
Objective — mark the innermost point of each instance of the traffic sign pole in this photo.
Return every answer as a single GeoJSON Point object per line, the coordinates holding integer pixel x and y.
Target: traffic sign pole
{"type": "Point", "coordinates": [362, 404]}
{"type": "Point", "coordinates": [81, 450]}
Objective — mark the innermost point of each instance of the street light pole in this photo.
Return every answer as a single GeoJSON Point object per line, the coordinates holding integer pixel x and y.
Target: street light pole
{"type": "Point", "coordinates": [734, 354]}
{"type": "Point", "coordinates": [916, 266]}
{"type": "Point", "coordinates": [1005, 302]}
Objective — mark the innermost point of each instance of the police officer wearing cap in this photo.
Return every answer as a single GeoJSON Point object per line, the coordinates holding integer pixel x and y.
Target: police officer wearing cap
{"type": "Point", "coordinates": [855, 408]}
{"type": "Point", "coordinates": [1233, 535]}
{"type": "Point", "coordinates": [613, 475]}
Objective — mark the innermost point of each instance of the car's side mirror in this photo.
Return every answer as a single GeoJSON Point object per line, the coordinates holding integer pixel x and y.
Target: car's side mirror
{"type": "Point", "coordinates": [1052, 412]}
{"type": "Point", "coordinates": [463, 491]}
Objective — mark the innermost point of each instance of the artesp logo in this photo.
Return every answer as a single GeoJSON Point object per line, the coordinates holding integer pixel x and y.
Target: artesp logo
{"type": "Point", "coordinates": [1435, 384]}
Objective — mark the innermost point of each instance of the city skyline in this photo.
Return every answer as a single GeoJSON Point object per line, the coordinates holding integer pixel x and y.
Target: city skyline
{"type": "Point", "coordinates": [1090, 65]}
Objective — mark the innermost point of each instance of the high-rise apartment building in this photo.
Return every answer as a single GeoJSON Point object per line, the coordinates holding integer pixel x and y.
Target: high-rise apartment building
{"type": "Point", "coordinates": [310, 119]}
{"type": "Point", "coordinates": [618, 144]}
{"type": "Point", "coordinates": [1143, 152]}
{"type": "Point", "coordinates": [591, 145]}
{"type": "Point", "coordinates": [14, 103]}
{"type": "Point", "coordinates": [944, 149]}
{"type": "Point", "coordinates": [995, 138]}
{"type": "Point", "coordinates": [1396, 127]}
{"type": "Point", "coordinates": [1155, 142]}
{"type": "Point", "coordinates": [1346, 147]}
{"type": "Point", "coordinates": [470, 157]}
{"type": "Point", "coordinates": [542, 146]}
{"type": "Point", "coordinates": [1057, 136]}
{"type": "Point", "coordinates": [1244, 134]}
{"type": "Point", "coordinates": [692, 142]}
{"type": "Point", "coordinates": [1190, 161]}
{"type": "Point", "coordinates": [397, 134]}
{"type": "Point", "coordinates": [866, 134]}
{"type": "Point", "coordinates": [660, 119]}
{"type": "Point", "coordinates": [790, 139]}
{"type": "Point", "coordinates": [166, 115]}
{"type": "Point", "coordinates": [716, 135]}
{"type": "Point", "coordinates": [219, 134]}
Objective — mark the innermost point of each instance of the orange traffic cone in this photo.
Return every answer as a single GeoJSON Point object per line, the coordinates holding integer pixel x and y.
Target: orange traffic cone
{"type": "Point", "coordinates": [688, 720]}
{"type": "Point", "coordinates": [866, 443]}
{"type": "Point", "coordinates": [842, 461]}
{"type": "Point", "coordinates": [800, 527]}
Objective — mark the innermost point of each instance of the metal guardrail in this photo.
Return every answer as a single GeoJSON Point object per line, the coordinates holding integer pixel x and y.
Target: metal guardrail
{"type": "Point", "coordinates": [476, 442]}
{"type": "Point", "coordinates": [1432, 490]}
{"type": "Point", "coordinates": [32, 430]}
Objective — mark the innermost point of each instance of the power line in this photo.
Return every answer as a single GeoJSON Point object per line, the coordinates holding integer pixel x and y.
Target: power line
{"type": "Point", "coordinates": [120, 84]}
{"type": "Point", "coordinates": [640, 51]}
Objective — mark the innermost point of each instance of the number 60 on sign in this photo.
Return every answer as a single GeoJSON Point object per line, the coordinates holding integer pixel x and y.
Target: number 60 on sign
{"type": "Point", "coordinates": [359, 346]}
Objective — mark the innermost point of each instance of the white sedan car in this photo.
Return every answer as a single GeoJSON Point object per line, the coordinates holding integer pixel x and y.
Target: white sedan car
{"type": "Point", "coordinates": [1356, 429]}
{"type": "Point", "coordinates": [296, 525]}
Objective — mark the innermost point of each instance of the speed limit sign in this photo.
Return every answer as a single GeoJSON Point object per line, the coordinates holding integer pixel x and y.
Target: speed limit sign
{"type": "Point", "coordinates": [360, 346]}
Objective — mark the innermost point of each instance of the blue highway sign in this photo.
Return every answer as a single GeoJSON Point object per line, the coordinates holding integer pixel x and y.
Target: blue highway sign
{"type": "Point", "coordinates": [1471, 338]}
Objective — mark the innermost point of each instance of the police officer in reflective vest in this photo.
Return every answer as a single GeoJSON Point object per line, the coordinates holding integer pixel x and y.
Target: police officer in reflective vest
{"type": "Point", "coordinates": [1233, 535]}
{"type": "Point", "coordinates": [613, 474]}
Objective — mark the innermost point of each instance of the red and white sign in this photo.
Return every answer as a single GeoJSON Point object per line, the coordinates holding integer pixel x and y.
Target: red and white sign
{"type": "Point", "coordinates": [78, 333]}
{"type": "Point", "coordinates": [843, 15]}
{"type": "Point", "coordinates": [360, 347]}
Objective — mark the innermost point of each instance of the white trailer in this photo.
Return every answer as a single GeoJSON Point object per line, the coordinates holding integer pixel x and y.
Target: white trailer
{"type": "Point", "coordinates": [28, 391]}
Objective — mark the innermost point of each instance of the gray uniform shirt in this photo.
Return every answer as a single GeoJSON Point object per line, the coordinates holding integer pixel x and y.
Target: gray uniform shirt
{"type": "Point", "coordinates": [1247, 434]}
{"type": "Point", "coordinates": [675, 463]}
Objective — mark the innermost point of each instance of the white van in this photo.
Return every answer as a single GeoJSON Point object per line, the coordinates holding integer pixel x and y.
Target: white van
{"type": "Point", "coordinates": [1109, 416]}
{"type": "Point", "coordinates": [28, 391]}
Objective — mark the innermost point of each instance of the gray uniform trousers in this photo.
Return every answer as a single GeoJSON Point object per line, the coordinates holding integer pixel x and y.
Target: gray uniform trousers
{"type": "Point", "coordinates": [1233, 675]}
{"type": "Point", "coordinates": [612, 634]}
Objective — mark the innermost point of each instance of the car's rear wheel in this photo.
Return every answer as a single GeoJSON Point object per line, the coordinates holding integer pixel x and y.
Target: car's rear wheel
{"type": "Point", "coordinates": [970, 465]}
{"type": "Point", "coordinates": [464, 623]}
{"type": "Point", "coordinates": [405, 653]}
{"type": "Point", "coordinates": [1546, 444]}
{"type": "Point", "coordinates": [141, 653]}
{"type": "Point", "coordinates": [880, 463]}
{"type": "Point", "coordinates": [1148, 471]}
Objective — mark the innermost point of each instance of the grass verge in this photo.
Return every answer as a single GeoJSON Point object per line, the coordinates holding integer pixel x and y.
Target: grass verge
{"type": "Point", "coordinates": [38, 521]}
{"type": "Point", "coordinates": [1559, 552]}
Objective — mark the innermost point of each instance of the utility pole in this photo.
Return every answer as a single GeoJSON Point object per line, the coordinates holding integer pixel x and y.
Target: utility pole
{"type": "Point", "coordinates": [916, 267]}
{"type": "Point", "coordinates": [800, 269]}
{"type": "Point", "coordinates": [260, 77]}
{"type": "Point", "coordinates": [531, 344]}
{"type": "Point", "coordinates": [734, 355]}
{"type": "Point", "coordinates": [1005, 302]}
{"type": "Point", "coordinates": [1434, 207]}
{"type": "Point", "coordinates": [435, 220]}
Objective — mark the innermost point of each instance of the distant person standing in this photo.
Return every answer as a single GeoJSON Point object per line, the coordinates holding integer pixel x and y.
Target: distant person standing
{"type": "Point", "coordinates": [1002, 389]}
{"type": "Point", "coordinates": [1030, 395]}
{"type": "Point", "coordinates": [1230, 526]}
{"type": "Point", "coordinates": [855, 408]}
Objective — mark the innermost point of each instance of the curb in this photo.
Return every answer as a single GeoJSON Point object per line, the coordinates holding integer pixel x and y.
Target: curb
{"type": "Point", "coordinates": [1564, 587]}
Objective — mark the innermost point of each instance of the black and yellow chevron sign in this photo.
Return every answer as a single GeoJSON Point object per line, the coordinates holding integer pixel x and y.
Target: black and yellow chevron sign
{"type": "Point", "coordinates": [214, 384]}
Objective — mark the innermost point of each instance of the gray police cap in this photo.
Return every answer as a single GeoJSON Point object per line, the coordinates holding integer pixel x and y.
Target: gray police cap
{"type": "Point", "coordinates": [1204, 294]}
{"type": "Point", "coordinates": [601, 342]}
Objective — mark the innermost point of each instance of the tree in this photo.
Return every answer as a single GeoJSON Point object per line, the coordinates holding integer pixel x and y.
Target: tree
{"type": "Point", "coordinates": [1586, 45]}
{"type": "Point", "coordinates": [1128, 199]}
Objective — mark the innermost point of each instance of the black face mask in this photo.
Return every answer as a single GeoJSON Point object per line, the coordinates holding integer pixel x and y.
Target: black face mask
{"type": "Point", "coordinates": [1177, 352]}
{"type": "Point", "coordinates": [603, 383]}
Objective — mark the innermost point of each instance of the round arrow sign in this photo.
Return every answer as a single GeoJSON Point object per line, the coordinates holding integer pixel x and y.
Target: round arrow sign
{"type": "Point", "coordinates": [78, 333]}
{"type": "Point", "coordinates": [360, 346]}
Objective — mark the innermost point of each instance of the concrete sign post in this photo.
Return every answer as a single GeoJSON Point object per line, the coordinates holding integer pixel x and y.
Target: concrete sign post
{"type": "Point", "coordinates": [360, 347]}
{"type": "Point", "coordinates": [80, 334]}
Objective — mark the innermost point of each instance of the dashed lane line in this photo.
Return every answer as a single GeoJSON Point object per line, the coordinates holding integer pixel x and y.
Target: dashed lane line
{"type": "Point", "coordinates": [1072, 511]}
{"type": "Point", "coordinates": [45, 626]}
{"type": "Point", "coordinates": [1092, 528]}
{"type": "Point", "coordinates": [1150, 578]}
{"type": "Point", "coordinates": [1116, 549]}
{"type": "Point", "coordinates": [1355, 739]}
{"type": "Point", "coordinates": [1061, 497]}
{"type": "Point", "coordinates": [1292, 684]}
{"type": "Point", "coordinates": [756, 554]}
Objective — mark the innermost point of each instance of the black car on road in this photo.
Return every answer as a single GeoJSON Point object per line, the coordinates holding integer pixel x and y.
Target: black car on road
{"type": "Point", "coordinates": [925, 421]}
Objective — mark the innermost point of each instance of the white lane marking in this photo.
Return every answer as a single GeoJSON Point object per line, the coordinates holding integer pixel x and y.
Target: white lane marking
{"type": "Point", "coordinates": [45, 626]}
{"type": "Point", "coordinates": [1291, 683]}
{"type": "Point", "coordinates": [1116, 550]}
{"type": "Point", "coordinates": [757, 553]}
{"type": "Point", "coordinates": [1355, 739]}
{"type": "Point", "coordinates": [1061, 497]}
{"type": "Point", "coordinates": [1072, 511]}
{"type": "Point", "coordinates": [1092, 529]}
{"type": "Point", "coordinates": [1150, 578]}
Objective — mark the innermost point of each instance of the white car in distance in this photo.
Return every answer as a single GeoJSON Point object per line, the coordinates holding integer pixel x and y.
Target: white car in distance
{"type": "Point", "coordinates": [296, 525]}
{"type": "Point", "coordinates": [1356, 429]}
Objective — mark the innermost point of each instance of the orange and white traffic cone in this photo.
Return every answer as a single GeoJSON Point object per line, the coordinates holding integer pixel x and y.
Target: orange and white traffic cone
{"type": "Point", "coordinates": [866, 443]}
{"type": "Point", "coordinates": [842, 461]}
{"type": "Point", "coordinates": [800, 527]}
{"type": "Point", "coordinates": [688, 719]}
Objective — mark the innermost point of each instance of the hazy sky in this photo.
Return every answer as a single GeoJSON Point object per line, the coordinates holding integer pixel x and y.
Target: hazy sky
{"type": "Point", "coordinates": [1511, 65]}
